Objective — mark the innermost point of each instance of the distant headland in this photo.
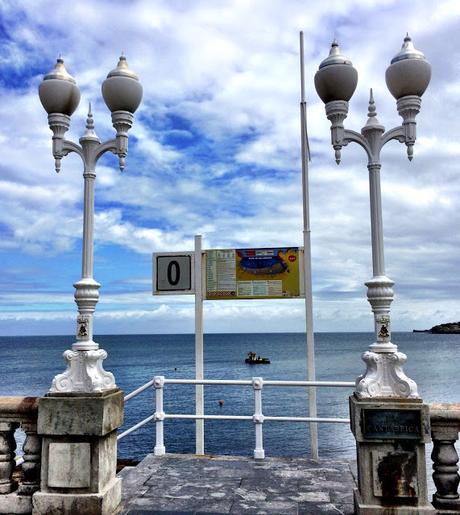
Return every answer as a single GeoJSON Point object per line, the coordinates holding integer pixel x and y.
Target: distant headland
{"type": "Point", "coordinates": [449, 328]}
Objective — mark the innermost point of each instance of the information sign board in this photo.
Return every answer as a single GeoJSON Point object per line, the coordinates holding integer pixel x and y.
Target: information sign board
{"type": "Point", "coordinates": [172, 273]}
{"type": "Point", "coordinates": [257, 273]}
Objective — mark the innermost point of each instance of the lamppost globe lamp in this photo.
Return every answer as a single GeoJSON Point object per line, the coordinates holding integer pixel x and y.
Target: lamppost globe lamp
{"type": "Point", "coordinates": [336, 78]}
{"type": "Point", "coordinates": [409, 72]}
{"type": "Point", "coordinates": [122, 90]}
{"type": "Point", "coordinates": [383, 391]}
{"type": "Point", "coordinates": [59, 96]}
{"type": "Point", "coordinates": [407, 78]}
{"type": "Point", "coordinates": [58, 91]}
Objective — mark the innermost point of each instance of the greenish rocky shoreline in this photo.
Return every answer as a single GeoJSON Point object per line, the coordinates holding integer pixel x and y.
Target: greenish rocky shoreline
{"type": "Point", "coordinates": [449, 328]}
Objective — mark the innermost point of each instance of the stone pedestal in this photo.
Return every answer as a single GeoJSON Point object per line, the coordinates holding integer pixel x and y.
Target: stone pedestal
{"type": "Point", "coordinates": [390, 441]}
{"type": "Point", "coordinates": [79, 453]}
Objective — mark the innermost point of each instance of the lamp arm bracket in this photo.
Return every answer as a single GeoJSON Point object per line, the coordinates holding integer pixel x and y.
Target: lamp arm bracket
{"type": "Point", "coordinates": [397, 133]}
{"type": "Point", "coordinates": [356, 137]}
{"type": "Point", "coordinates": [108, 146]}
{"type": "Point", "coordinates": [62, 147]}
{"type": "Point", "coordinates": [68, 147]}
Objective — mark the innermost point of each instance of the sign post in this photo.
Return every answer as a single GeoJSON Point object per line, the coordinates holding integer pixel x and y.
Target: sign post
{"type": "Point", "coordinates": [180, 273]}
{"type": "Point", "coordinates": [254, 273]}
{"type": "Point", "coordinates": [199, 354]}
{"type": "Point", "coordinates": [311, 373]}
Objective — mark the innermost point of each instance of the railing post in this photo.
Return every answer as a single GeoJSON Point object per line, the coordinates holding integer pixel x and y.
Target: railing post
{"type": "Point", "coordinates": [7, 448]}
{"type": "Point", "coordinates": [31, 465]}
{"type": "Point", "coordinates": [258, 418]}
{"type": "Point", "coordinates": [158, 383]}
{"type": "Point", "coordinates": [445, 425]}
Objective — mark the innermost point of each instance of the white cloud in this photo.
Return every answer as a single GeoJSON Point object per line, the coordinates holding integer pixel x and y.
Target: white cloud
{"type": "Point", "coordinates": [223, 79]}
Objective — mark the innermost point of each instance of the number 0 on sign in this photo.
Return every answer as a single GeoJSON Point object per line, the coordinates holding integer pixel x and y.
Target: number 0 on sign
{"type": "Point", "coordinates": [173, 273]}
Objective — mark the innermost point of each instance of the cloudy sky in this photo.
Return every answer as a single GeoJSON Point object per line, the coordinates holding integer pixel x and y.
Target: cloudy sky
{"type": "Point", "coordinates": [215, 151]}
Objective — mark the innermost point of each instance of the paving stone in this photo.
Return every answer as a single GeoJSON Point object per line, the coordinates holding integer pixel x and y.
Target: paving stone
{"type": "Point", "coordinates": [218, 495]}
{"type": "Point", "coordinates": [215, 508]}
{"type": "Point", "coordinates": [336, 486]}
{"type": "Point", "coordinates": [284, 508]}
{"type": "Point", "coordinates": [312, 508]}
{"type": "Point", "coordinates": [312, 497]}
{"type": "Point", "coordinates": [342, 497]}
{"type": "Point", "coordinates": [250, 495]}
{"type": "Point", "coordinates": [282, 486]}
{"type": "Point", "coordinates": [229, 484]}
{"type": "Point", "coordinates": [347, 509]}
{"type": "Point", "coordinates": [162, 512]}
{"type": "Point", "coordinates": [187, 484]}
{"type": "Point", "coordinates": [141, 502]}
{"type": "Point", "coordinates": [172, 505]}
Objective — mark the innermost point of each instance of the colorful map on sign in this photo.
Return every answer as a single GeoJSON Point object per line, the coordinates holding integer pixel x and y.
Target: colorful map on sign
{"type": "Point", "coordinates": [263, 273]}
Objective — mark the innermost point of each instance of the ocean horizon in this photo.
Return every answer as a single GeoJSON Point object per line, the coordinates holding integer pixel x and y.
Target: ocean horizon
{"type": "Point", "coordinates": [31, 362]}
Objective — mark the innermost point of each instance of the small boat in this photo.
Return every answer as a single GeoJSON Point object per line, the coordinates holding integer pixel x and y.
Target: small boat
{"type": "Point", "coordinates": [253, 359]}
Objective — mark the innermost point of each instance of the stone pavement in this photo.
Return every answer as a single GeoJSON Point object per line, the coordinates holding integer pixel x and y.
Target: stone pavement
{"type": "Point", "coordinates": [188, 484]}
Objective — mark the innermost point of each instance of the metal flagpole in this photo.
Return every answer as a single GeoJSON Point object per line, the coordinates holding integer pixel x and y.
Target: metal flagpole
{"type": "Point", "coordinates": [199, 365]}
{"type": "Point", "coordinates": [307, 260]}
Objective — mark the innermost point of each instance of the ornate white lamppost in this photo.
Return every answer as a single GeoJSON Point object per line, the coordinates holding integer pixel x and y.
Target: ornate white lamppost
{"type": "Point", "coordinates": [388, 418]}
{"type": "Point", "coordinates": [60, 96]}
{"type": "Point", "coordinates": [79, 417]}
{"type": "Point", "coordinates": [407, 78]}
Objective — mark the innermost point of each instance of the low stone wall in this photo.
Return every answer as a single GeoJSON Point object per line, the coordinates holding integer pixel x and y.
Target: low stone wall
{"type": "Point", "coordinates": [18, 485]}
{"type": "Point", "coordinates": [16, 488]}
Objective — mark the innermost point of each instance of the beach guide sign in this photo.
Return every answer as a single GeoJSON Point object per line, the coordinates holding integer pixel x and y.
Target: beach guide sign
{"type": "Point", "coordinates": [258, 273]}
{"type": "Point", "coordinates": [255, 273]}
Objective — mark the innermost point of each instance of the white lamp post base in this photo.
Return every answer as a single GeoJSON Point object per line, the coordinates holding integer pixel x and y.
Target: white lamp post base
{"type": "Point", "coordinates": [384, 377]}
{"type": "Point", "coordinates": [84, 373]}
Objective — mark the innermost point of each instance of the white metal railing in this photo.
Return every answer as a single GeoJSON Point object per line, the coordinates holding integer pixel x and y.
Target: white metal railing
{"type": "Point", "coordinates": [258, 418]}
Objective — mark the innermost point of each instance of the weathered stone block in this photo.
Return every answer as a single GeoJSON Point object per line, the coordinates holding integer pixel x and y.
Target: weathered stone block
{"type": "Point", "coordinates": [390, 438]}
{"type": "Point", "coordinates": [15, 504]}
{"type": "Point", "coordinates": [102, 503]}
{"type": "Point", "coordinates": [361, 508]}
{"type": "Point", "coordinates": [83, 414]}
{"type": "Point", "coordinates": [71, 465]}
{"type": "Point", "coordinates": [102, 462]}
{"type": "Point", "coordinates": [79, 453]}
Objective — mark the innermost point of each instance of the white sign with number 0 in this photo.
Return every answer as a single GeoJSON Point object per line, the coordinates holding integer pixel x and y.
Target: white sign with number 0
{"type": "Point", "coordinates": [173, 273]}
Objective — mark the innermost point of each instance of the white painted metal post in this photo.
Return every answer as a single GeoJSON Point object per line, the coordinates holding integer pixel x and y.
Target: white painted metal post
{"type": "Point", "coordinates": [199, 359]}
{"type": "Point", "coordinates": [258, 418]}
{"type": "Point", "coordinates": [311, 373]}
{"type": "Point", "coordinates": [158, 383]}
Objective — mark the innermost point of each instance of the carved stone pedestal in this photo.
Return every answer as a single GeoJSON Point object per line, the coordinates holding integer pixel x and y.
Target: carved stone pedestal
{"type": "Point", "coordinates": [79, 453]}
{"type": "Point", "coordinates": [390, 442]}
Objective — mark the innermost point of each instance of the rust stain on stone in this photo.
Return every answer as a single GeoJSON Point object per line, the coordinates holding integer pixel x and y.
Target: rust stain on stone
{"type": "Point", "coordinates": [397, 472]}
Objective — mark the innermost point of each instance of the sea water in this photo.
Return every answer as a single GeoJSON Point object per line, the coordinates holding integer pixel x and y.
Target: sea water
{"type": "Point", "coordinates": [30, 363]}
